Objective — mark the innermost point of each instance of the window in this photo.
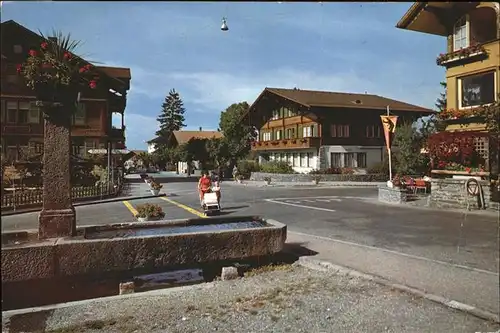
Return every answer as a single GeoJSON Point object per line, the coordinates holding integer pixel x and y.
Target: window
{"type": "Point", "coordinates": [11, 153]}
{"type": "Point", "coordinates": [12, 112]}
{"type": "Point", "coordinates": [34, 114]}
{"type": "Point", "coordinates": [290, 133]}
{"type": "Point", "coordinates": [80, 115]}
{"type": "Point", "coordinates": [306, 132]}
{"type": "Point", "coordinates": [310, 160]}
{"type": "Point", "coordinates": [266, 136]}
{"type": "Point", "coordinates": [373, 131]}
{"type": "Point", "coordinates": [36, 147]}
{"type": "Point", "coordinates": [349, 160]}
{"type": "Point", "coordinates": [460, 34]}
{"type": "Point", "coordinates": [278, 135]}
{"type": "Point", "coordinates": [303, 159]}
{"type": "Point", "coordinates": [23, 112]}
{"type": "Point", "coordinates": [339, 131]}
{"type": "Point", "coordinates": [309, 131]}
{"type": "Point", "coordinates": [275, 115]}
{"type": "Point", "coordinates": [361, 160]}
{"type": "Point", "coordinates": [335, 160]}
{"type": "Point", "coordinates": [477, 89]}
{"type": "Point", "coordinates": [296, 159]}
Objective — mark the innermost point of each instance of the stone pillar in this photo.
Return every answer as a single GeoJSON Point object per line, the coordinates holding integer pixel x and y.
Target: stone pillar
{"type": "Point", "coordinates": [57, 218]}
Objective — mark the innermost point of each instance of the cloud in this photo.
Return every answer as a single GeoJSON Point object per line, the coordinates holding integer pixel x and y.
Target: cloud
{"type": "Point", "coordinates": [212, 91]}
{"type": "Point", "coordinates": [139, 128]}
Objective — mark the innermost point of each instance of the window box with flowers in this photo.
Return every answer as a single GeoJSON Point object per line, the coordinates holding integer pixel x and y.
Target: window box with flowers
{"type": "Point", "coordinates": [55, 74]}
{"type": "Point", "coordinates": [476, 50]}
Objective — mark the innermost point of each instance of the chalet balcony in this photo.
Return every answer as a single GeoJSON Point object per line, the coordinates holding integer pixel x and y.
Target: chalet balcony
{"type": "Point", "coordinates": [298, 143]}
{"type": "Point", "coordinates": [22, 129]}
{"type": "Point", "coordinates": [117, 133]}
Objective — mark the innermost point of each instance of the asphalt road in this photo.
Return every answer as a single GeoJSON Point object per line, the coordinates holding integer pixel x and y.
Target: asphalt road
{"type": "Point", "coordinates": [349, 214]}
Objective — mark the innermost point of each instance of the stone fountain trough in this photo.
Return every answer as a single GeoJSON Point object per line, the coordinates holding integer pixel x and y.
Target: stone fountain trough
{"type": "Point", "coordinates": [94, 262]}
{"type": "Point", "coordinates": [132, 246]}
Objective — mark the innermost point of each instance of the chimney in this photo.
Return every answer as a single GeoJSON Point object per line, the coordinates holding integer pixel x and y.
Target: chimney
{"type": "Point", "coordinates": [201, 129]}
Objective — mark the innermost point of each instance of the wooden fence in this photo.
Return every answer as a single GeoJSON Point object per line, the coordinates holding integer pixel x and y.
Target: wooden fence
{"type": "Point", "coordinates": [34, 197]}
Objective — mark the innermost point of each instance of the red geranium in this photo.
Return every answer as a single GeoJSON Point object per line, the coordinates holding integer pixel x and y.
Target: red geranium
{"type": "Point", "coordinates": [55, 66]}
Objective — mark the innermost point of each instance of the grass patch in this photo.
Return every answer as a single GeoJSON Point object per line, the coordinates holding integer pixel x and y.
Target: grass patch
{"type": "Point", "coordinates": [268, 268]}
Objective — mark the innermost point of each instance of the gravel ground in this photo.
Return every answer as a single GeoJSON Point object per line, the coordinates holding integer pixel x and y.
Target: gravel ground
{"type": "Point", "coordinates": [291, 299]}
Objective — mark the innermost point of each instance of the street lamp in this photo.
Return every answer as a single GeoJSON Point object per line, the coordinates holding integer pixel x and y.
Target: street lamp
{"type": "Point", "coordinates": [224, 25]}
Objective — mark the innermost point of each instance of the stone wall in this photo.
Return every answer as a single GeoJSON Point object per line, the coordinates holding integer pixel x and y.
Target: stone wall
{"type": "Point", "coordinates": [392, 195]}
{"type": "Point", "coordinates": [279, 177]}
{"type": "Point", "coordinates": [451, 193]}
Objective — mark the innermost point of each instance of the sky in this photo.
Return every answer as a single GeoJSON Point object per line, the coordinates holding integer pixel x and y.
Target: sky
{"type": "Point", "coordinates": [338, 46]}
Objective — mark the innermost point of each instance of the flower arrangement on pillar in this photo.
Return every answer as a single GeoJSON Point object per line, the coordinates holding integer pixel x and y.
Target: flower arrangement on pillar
{"type": "Point", "coordinates": [55, 74]}
{"type": "Point", "coordinates": [57, 77]}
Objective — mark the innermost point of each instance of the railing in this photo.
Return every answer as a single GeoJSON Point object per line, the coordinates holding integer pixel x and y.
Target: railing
{"type": "Point", "coordinates": [117, 132]}
{"type": "Point", "coordinates": [296, 143]}
{"type": "Point", "coordinates": [22, 198]}
{"type": "Point", "coordinates": [23, 129]}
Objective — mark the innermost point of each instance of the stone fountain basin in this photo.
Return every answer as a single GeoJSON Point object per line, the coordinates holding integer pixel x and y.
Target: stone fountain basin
{"type": "Point", "coordinates": [132, 246]}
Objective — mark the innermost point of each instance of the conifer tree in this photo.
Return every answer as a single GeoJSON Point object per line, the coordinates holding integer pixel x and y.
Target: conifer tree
{"type": "Point", "coordinates": [171, 117]}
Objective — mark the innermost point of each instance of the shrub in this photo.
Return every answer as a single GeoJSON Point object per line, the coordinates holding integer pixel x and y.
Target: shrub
{"type": "Point", "coordinates": [149, 211]}
{"type": "Point", "coordinates": [452, 149]}
{"type": "Point", "coordinates": [277, 167]}
{"type": "Point", "coordinates": [245, 168]}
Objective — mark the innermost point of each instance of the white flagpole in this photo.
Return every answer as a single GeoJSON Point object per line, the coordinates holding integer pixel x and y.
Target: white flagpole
{"type": "Point", "coordinates": [389, 150]}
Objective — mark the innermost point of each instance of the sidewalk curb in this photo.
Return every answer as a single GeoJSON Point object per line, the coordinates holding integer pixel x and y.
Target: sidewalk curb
{"type": "Point", "coordinates": [85, 203]}
{"type": "Point", "coordinates": [321, 265]}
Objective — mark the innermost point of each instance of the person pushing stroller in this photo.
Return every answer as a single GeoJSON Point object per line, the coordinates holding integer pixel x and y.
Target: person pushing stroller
{"type": "Point", "coordinates": [204, 185]}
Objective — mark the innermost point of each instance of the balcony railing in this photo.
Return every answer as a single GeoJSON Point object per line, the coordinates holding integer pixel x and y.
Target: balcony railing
{"type": "Point", "coordinates": [22, 129]}
{"type": "Point", "coordinates": [118, 133]}
{"type": "Point", "coordinates": [297, 143]}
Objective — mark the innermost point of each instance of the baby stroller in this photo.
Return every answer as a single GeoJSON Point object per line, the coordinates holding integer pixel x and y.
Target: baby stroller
{"type": "Point", "coordinates": [210, 203]}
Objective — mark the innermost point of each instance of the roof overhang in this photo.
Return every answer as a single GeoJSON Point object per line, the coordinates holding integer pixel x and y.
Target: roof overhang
{"type": "Point", "coordinates": [434, 18]}
{"type": "Point", "coordinates": [263, 95]}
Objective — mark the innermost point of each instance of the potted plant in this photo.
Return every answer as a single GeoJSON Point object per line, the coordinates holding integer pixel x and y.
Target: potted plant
{"type": "Point", "coordinates": [55, 74]}
{"type": "Point", "coordinates": [267, 180]}
{"type": "Point", "coordinates": [149, 212]}
{"type": "Point", "coordinates": [316, 179]}
{"type": "Point", "coordinates": [155, 188]}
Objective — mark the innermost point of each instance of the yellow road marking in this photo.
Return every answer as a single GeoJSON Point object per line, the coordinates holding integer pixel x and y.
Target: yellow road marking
{"type": "Point", "coordinates": [186, 208]}
{"type": "Point", "coordinates": [130, 207]}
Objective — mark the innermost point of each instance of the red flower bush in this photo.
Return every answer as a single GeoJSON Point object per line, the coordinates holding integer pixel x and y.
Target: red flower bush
{"type": "Point", "coordinates": [454, 150]}
{"type": "Point", "coordinates": [55, 66]}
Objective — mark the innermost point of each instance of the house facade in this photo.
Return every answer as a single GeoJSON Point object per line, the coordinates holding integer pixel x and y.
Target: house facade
{"type": "Point", "coordinates": [22, 126]}
{"type": "Point", "coordinates": [471, 57]}
{"type": "Point", "coordinates": [178, 138]}
{"type": "Point", "coordinates": [471, 54]}
{"type": "Point", "coordinates": [314, 130]}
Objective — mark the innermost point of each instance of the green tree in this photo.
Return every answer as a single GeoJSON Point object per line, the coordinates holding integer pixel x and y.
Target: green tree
{"type": "Point", "coordinates": [409, 160]}
{"type": "Point", "coordinates": [237, 134]}
{"type": "Point", "coordinates": [433, 124]}
{"type": "Point", "coordinates": [441, 101]}
{"type": "Point", "coordinates": [218, 151]}
{"type": "Point", "coordinates": [171, 117]}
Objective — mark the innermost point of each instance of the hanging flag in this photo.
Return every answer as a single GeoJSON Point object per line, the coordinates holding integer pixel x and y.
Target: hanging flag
{"type": "Point", "coordinates": [389, 124]}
